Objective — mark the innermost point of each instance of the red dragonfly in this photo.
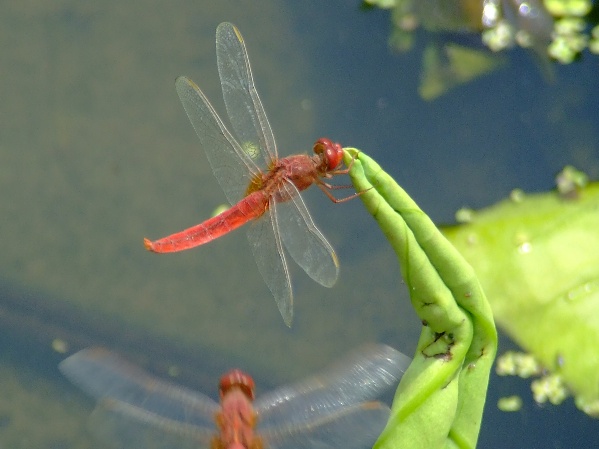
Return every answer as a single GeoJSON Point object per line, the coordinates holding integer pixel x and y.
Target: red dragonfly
{"type": "Point", "coordinates": [268, 197]}
{"type": "Point", "coordinates": [333, 409]}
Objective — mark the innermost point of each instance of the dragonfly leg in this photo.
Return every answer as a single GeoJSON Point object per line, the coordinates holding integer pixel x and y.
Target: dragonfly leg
{"type": "Point", "coordinates": [326, 188]}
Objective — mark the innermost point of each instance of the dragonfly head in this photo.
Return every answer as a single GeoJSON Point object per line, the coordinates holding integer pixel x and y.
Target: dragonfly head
{"type": "Point", "coordinates": [237, 379]}
{"type": "Point", "coordinates": [330, 152]}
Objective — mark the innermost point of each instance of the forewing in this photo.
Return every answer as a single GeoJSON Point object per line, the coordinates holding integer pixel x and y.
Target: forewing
{"type": "Point", "coordinates": [232, 167]}
{"type": "Point", "coordinates": [103, 374]}
{"type": "Point", "coordinates": [265, 241]}
{"type": "Point", "coordinates": [126, 426]}
{"type": "Point", "coordinates": [305, 243]}
{"type": "Point", "coordinates": [241, 98]}
{"type": "Point", "coordinates": [361, 376]}
{"type": "Point", "coordinates": [354, 427]}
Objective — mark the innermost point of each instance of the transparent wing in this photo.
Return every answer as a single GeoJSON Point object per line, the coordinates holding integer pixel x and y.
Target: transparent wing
{"type": "Point", "coordinates": [103, 374]}
{"type": "Point", "coordinates": [361, 376]}
{"type": "Point", "coordinates": [126, 426]}
{"type": "Point", "coordinates": [355, 427]}
{"type": "Point", "coordinates": [265, 241]}
{"type": "Point", "coordinates": [306, 244]}
{"type": "Point", "coordinates": [241, 98]}
{"type": "Point", "coordinates": [232, 166]}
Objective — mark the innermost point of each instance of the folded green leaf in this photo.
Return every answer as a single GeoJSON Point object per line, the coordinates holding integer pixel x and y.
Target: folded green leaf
{"type": "Point", "coordinates": [440, 400]}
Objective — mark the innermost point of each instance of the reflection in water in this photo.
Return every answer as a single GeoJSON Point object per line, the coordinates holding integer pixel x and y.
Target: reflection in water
{"type": "Point", "coordinates": [552, 30]}
{"type": "Point", "coordinates": [329, 410]}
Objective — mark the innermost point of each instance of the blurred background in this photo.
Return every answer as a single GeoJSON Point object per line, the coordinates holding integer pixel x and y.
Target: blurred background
{"type": "Point", "coordinates": [96, 152]}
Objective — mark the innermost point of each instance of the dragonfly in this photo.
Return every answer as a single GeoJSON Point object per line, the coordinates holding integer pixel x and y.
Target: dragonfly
{"type": "Point", "coordinates": [332, 409]}
{"type": "Point", "coordinates": [268, 197]}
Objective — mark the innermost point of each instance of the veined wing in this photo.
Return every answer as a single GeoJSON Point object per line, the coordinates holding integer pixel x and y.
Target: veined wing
{"type": "Point", "coordinates": [354, 427]}
{"type": "Point", "coordinates": [126, 426]}
{"type": "Point", "coordinates": [103, 375]}
{"type": "Point", "coordinates": [265, 241]}
{"type": "Point", "coordinates": [241, 98]}
{"type": "Point", "coordinates": [232, 166]}
{"type": "Point", "coordinates": [289, 223]}
{"type": "Point", "coordinates": [361, 376]}
{"type": "Point", "coordinates": [306, 244]}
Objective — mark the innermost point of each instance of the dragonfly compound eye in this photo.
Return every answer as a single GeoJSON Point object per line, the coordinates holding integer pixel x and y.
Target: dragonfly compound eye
{"type": "Point", "coordinates": [332, 152]}
{"type": "Point", "coordinates": [237, 379]}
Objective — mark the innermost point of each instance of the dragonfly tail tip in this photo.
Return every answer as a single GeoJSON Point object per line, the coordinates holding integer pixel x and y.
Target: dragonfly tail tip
{"type": "Point", "coordinates": [148, 244]}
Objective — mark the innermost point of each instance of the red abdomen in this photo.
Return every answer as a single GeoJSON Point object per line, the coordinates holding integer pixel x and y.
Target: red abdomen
{"type": "Point", "coordinates": [249, 208]}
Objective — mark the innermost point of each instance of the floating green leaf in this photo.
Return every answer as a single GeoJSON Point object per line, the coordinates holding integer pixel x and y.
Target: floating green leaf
{"type": "Point", "coordinates": [537, 257]}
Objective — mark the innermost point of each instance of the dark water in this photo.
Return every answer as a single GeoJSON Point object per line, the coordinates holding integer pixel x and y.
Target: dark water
{"type": "Point", "coordinates": [96, 153]}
